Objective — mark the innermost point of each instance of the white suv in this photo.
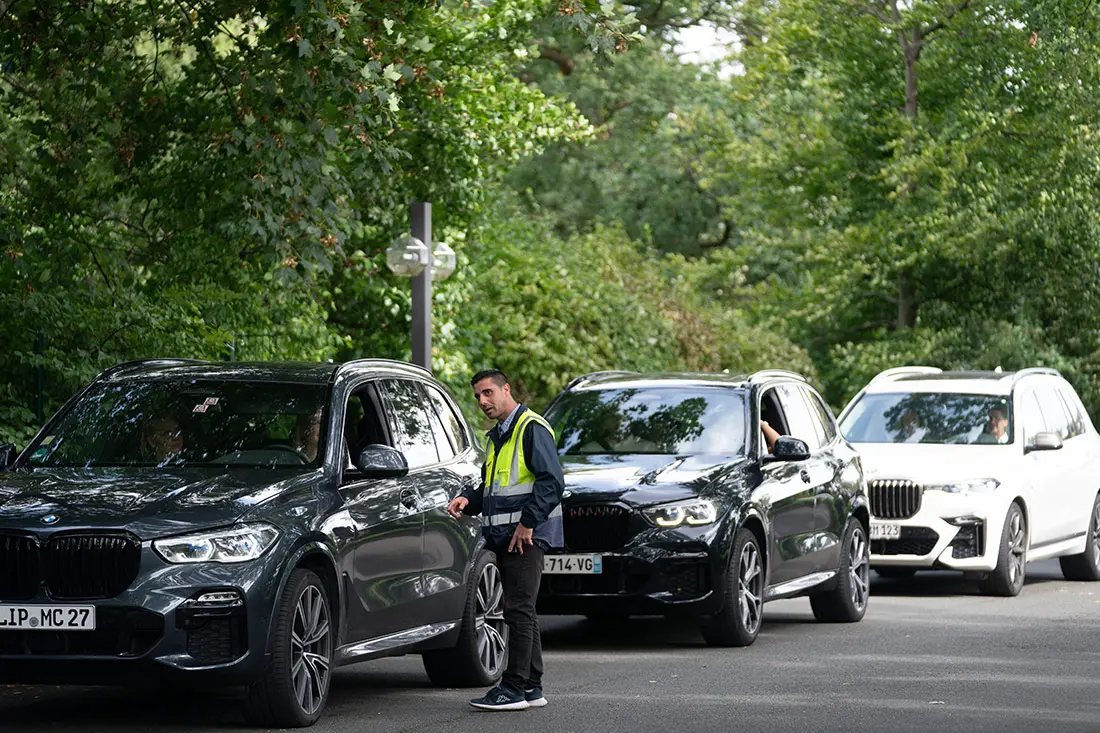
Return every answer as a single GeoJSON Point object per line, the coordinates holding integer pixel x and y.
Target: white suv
{"type": "Point", "coordinates": [978, 471]}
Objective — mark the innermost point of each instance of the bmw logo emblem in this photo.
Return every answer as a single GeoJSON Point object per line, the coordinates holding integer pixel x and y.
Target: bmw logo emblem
{"type": "Point", "coordinates": [566, 494]}
{"type": "Point", "coordinates": [50, 519]}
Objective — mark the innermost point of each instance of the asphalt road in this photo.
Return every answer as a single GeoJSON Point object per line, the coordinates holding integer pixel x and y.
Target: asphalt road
{"type": "Point", "coordinates": [930, 655]}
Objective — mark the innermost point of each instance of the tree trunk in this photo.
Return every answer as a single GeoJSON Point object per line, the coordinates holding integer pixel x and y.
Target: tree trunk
{"type": "Point", "coordinates": [907, 303]}
{"type": "Point", "coordinates": [911, 49]}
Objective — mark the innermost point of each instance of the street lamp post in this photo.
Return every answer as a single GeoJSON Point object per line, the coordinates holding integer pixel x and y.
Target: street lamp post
{"type": "Point", "coordinates": [412, 255]}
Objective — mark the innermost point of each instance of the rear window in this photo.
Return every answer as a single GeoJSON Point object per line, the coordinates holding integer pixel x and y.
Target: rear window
{"type": "Point", "coordinates": [667, 421]}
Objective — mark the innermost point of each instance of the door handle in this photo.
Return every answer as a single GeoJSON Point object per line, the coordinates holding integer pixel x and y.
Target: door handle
{"type": "Point", "coordinates": [410, 500]}
{"type": "Point", "coordinates": [805, 475]}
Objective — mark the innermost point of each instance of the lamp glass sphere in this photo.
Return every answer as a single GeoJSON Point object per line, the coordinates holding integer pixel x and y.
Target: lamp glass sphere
{"type": "Point", "coordinates": [407, 256]}
{"type": "Point", "coordinates": [444, 261]}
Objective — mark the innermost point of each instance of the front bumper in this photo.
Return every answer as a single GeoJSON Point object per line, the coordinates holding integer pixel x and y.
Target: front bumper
{"type": "Point", "coordinates": [155, 629]}
{"type": "Point", "coordinates": [950, 531]}
{"type": "Point", "coordinates": [667, 572]}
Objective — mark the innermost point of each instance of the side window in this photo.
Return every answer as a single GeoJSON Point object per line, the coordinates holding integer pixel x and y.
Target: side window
{"type": "Point", "coordinates": [364, 421]}
{"type": "Point", "coordinates": [1054, 411]}
{"type": "Point", "coordinates": [1076, 419]}
{"type": "Point", "coordinates": [801, 423]}
{"type": "Point", "coordinates": [452, 425]}
{"type": "Point", "coordinates": [771, 413]}
{"type": "Point", "coordinates": [444, 445]}
{"type": "Point", "coordinates": [1027, 410]}
{"type": "Point", "coordinates": [413, 434]}
{"type": "Point", "coordinates": [826, 423]}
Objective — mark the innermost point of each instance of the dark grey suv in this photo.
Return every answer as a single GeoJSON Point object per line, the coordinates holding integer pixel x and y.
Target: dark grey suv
{"type": "Point", "coordinates": [675, 505]}
{"type": "Point", "coordinates": [248, 524]}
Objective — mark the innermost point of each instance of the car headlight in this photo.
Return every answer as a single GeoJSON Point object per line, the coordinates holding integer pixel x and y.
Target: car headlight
{"type": "Point", "coordinates": [973, 486]}
{"type": "Point", "coordinates": [695, 513]}
{"type": "Point", "coordinates": [228, 545]}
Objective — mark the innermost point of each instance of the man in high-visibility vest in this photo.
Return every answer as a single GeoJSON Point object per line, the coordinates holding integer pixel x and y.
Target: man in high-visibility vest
{"type": "Point", "coordinates": [520, 503]}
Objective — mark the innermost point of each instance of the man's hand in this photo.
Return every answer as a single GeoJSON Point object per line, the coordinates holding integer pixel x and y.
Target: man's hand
{"type": "Point", "coordinates": [523, 536]}
{"type": "Point", "coordinates": [457, 505]}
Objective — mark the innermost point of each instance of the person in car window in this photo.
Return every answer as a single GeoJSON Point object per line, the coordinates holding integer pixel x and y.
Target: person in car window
{"type": "Point", "coordinates": [770, 434]}
{"type": "Point", "coordinates": [996, 428]}
{"type": "Point", "coordinates": [520, 503]}
{"type": "Point", "coordinates": [911, 429]}
{"type": "Point", "coordinates": [163, 438]}
{"type": "Point", "coordinates": [307, 434]}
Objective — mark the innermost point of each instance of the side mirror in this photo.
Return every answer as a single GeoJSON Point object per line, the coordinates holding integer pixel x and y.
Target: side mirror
{"type": "Point", "coordinates": [381, 461]}
{"type": "Point", "coordinates": [788, 448]}
{"type": "Point", "coordinates": [1044, 441]}
{"type": "Point", "coordinates": [8, 454]}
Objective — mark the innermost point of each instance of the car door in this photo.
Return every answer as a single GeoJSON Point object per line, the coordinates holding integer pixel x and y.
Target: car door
{"type": "Point", "coordinates": [1086, 446]}
{"type": "Point", "coordinates": [831, 502]}
{"type": "Point", "coordinates": [383, 565]}
{"type": "Point", "coordinates": [1067, 517]}
{"type": "Point", "coordinates": [1044, 469]}
{"type": "Point", "coordinates": [448, 542]}
{"type": "Point", "coordinates": [788, 499]}
{"type": "Point", "coordinates": [816, 473]}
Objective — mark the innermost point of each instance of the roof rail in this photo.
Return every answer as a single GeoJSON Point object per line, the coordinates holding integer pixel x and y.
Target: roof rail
{"type": "Point", "coordinates": [395, 362]}
{"type": "Point", "coordinates": [1032, 371]}
{"type": "Point", "coordinates": [605, 373]}
{"type": "Point", "coordinates": [775, 373]}
{"type": "Point", "coordinates": [123, 366]}
{"type": "Point", "coordinates": [904, 371]}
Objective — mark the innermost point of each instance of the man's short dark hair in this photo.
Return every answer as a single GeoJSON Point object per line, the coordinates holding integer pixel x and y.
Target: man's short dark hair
{"type": "Point", "coordinates": [499, 378]}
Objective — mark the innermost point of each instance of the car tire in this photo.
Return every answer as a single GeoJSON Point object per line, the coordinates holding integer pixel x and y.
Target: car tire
{"type": "Point", "coordinates": [895, 573]}
{"type": "Point", "coordinates": [1008, 578]}
{"type": "Point", "coordinates": [294, 690]}
{"type": "Point", "coordinates": [479, 657]}
{"type": "Point", "coordinates": [1086, 566]}
{"type": "Point", "coordinates": [847, 601]}
{"type": "Point", "coordinates": [738, 623]}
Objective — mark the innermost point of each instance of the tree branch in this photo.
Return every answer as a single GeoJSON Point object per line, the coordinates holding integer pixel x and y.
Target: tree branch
{"type": "Point", "coordinates": [871, 10]}
{"type": "Point", "coordinates": [922, 34]}
{"type": "Point", "coordinates": [564, 61]}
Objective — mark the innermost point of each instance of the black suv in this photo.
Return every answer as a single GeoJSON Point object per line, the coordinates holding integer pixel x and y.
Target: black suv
{"type": "Point", "coordinates": [675, 505]}
{"type": "Point", "coordinates": [247, 524]}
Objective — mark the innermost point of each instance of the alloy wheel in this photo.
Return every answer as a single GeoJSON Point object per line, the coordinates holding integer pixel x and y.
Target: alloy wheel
{"type": "Point", "coordinates": [492, 633]}
{"type": "Point", "coordinates": [1096, 535]}
{"type": "Point", "coordinates": [859, 569]}
{"type": "Point", "coordinates": [750, 587]}
{"type": "Point", "coordinates": [1017, 549]}
{"type": "Point", "coordinates": [311, 650]}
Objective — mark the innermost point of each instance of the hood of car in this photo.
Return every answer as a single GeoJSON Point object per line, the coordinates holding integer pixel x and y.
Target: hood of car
{"type": "Point", "coordinates": [641, 479]}
{"type": "Point", "coordinates": [148, 503]}
{"type": "Point", "coordinates": [930, 464]}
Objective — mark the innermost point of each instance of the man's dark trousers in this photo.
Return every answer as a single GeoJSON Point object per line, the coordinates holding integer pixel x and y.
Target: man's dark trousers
{"type": "Point", "coordinates": [520, 576]}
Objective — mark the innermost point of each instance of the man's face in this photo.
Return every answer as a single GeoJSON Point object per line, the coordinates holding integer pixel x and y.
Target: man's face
{"type": "Point", "coordinates": [998, 423]}
{"type": "Point", "coordinates": [165, 438]}
{"type": "Point", "coordinates": [493, 399]}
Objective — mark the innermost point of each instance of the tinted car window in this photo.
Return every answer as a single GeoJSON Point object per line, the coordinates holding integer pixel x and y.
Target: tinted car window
{"type": "Point", "coordinates": [1027, 407]}
{"type": "Point", "coordinates": [1076, 419]}
{"type": "Point", "coordinates": [929, 417]}
{"type": "Point", "coordinates": [451, 422]}
{"type": "Point", "coordinates": [664, 420]}
{"type": "Point", "coordinates": [189, 423]}
{"type": "Point", "coordinates": [825, 418]}
{"type": "Point", "coordinates": [413, 434]}
{"type": "Point", "coordinates": [801, 423]}
{"type": "Point", "coordinates": [1054, 410]}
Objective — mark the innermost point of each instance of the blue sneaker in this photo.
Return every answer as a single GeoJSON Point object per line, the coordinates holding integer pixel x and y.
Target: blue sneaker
{"type": "Point", "coordinates": [534, 697]}
{"type": "Point", "coordinates": [501, 698]}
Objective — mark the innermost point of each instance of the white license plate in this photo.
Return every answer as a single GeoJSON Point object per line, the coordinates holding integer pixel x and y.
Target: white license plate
{"type": "Point", "coordinates": [885, 530]}
{"type": "Point", "coordinates": [572, 564]}
{"type": "Point", "coordinates": [46, 618]}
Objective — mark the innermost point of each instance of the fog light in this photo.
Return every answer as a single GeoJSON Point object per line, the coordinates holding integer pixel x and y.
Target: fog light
{"type": "Point", "coordinates": [963, 521]}
{"type": "Point", "coordinates": [219, 598]}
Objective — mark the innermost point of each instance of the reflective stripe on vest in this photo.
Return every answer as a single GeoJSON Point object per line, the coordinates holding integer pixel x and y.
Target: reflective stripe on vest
{"type": "Point", "coordinates": [504, 494]}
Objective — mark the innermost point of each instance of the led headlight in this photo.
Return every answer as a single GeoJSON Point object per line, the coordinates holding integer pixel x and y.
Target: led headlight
{"type": "Point", "coordinates": [696, 512]}
{"type": "Point", "coordinates": [972, 486]}
{"type": "Point", "coordinates": [241, 543]}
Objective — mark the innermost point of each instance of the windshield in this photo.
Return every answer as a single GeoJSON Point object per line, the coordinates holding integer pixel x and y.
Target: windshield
{"type": "Point", "coordinates": [929, 417]}
{"type": "Point", "coordinates": [668, 421]}
{"type": "Point", "coordinates": [189, 423]}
